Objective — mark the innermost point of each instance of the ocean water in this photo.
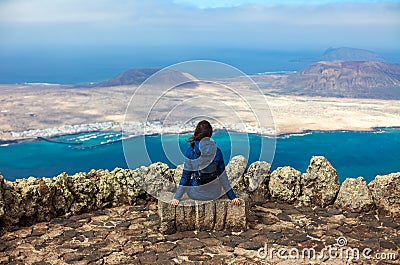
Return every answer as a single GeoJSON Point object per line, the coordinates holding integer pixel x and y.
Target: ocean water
{"type": "Point", "coordinates": [353, 154]}
{"type": "Point", "coordinates": [75, 66]}
{"type": "Point", "coordinates": [82, 65]}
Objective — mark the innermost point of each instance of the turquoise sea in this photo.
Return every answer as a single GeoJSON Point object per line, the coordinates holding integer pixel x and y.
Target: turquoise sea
{"type": "Point", "coordinates": [353, 154]}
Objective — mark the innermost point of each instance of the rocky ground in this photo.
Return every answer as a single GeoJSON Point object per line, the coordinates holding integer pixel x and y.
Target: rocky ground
{"type": "Point", "coordinates": [103, 217]}
{"type": "Point", "coordinates": [129, 235]}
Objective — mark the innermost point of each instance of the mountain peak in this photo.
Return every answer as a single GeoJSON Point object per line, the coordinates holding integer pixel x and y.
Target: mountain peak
{"type": "Point", "coordinates": [137, 76]}
{"type": "Point", "coordinates": [348, 79]}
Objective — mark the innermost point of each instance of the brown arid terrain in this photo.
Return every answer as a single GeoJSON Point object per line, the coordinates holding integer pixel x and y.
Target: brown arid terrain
{"type": "Point", "coordinates": [357, 79]}
{"type": "Point", "coordinates": [30, 107]}
{"type": "Point", "coordinates": [348, 79]}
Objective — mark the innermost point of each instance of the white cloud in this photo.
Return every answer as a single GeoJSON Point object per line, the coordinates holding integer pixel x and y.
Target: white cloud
{"type": "Point", "coordinates": [204, 4]}
{"type": "Point", "coordinates": [125, 11]}
{"type": "Point", "coordinates": [160, 22]}
{"type": "Point", "coordinates": [55, 11]}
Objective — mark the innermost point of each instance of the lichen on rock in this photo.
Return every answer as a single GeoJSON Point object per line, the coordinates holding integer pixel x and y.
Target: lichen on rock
{"type": "Point", "coordinates": [386, 193]}
{"type": "Point", "coordinates": [257, 174]}
{"type": "Point", "coordinates": [1, 196]}
{"type": "Point", "coordinates": [155, 179]}
{"type": "Point", "coordinates": [354, 196]}
{"type": "Point", "coordinates": [12, 202]}
{"type": "Point", "coordinates": [235, 170]}
{"type": "Point", "coordinates": [63, 198]}
{"type": "Point", "coordinates": [178, 174]}
{"type": "Point", "coordinates": [84, 191]}
{"type": "Point", "coordinates": [320, 183]}
{"type": "Point", "coordinates": [284, 184]}
{"type": "Point", "coordinates": [40, 199]}
{"type": "Point", "coordinates": [256, 181]}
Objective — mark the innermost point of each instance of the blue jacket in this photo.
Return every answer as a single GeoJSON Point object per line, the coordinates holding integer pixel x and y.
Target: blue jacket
{"type": "Point", "coordinates": [204, 149]}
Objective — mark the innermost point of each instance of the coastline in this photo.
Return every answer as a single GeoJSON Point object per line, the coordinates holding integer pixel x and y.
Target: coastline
{"type": "Point", "coordinates": [46, 135]}
{"type": "Point", "coordinates": [84, 111]}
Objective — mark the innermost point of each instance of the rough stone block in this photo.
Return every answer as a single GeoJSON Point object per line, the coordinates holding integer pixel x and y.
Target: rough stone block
{"type": "Point", "coordinates": [354, 196]}
{"type": "Point", "coordinates": [185, 217]}
{"type": "Point", "coordinates": [236, 216]}
{"type": "Point", "coordinates": [220, 213]}
{"type": "Point", "coordinates": [320, 183]}
{"type": "Point", "coordinates": [235, 169]}
{"type": "Point", "coordinates": [205, 214]}
{"type": "Point", "coordinates": [386, 193]}
{"type": "Point", "coordinates": [1, 197]}
{"type": "Point", "coordinates": [167, 214]}
{"type": "Point", "coordinates": [284, 184]}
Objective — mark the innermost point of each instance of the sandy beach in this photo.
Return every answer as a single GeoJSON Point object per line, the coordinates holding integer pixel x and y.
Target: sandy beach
{"type": "Point", "coordinates": [30, 111]}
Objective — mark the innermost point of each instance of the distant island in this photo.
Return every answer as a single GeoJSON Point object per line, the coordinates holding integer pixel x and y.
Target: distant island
{"type": "Point", "coordinates": [345, 54]}
{"type": "Point", "coordinates": [340, 72]}
{"type": "Point", "coordinates": [354, 79]}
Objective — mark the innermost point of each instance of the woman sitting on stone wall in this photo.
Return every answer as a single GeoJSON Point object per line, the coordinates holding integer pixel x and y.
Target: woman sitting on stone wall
{"type": "Point", "coordinates": [204, 177]}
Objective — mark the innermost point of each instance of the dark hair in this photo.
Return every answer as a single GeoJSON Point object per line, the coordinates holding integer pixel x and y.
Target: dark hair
{"type": "Point", "coordinates": [203, 129]}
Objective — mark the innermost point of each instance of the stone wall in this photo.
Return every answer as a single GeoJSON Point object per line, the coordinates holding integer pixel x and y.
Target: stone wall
{"type": "Point", "coordinates": [216, 215]}
{"type": "Point", "coordinates": [40, 199]}
{"type": "Point", "coordinates": [319, 186]}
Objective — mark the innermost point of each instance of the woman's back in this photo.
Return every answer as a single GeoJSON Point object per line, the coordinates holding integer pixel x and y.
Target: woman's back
{"type": "Point", "coordinates": [201, 154]}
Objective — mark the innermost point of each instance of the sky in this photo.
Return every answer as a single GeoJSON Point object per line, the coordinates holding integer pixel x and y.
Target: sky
{"type": "Point", "coordinates": [189, 29]}
{"type": "Point", "coordinates": [230, 3]}
{"type": "Point", "coordinates": [271, 24]}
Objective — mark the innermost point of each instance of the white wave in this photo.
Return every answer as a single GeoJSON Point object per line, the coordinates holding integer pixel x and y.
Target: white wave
{"type": "Point", "coordinates": [100, 136]}
{"type": "Point", "coordinates": [277, 72]}
{"type": "Point", "coordinates": [89, 137]}
{"type": "Point", "coordinates": [301, 134]}
{"type": "Point", "coordinates": [43, 84]}
{"type": "Point", "coordinates": [287, 136]}
{"type": "Point", "coordinates": [4, 145]}
{"type": "Point", "coordinates": [111, 136]}
{"type": "Point", "coordinates": [84, 139]}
